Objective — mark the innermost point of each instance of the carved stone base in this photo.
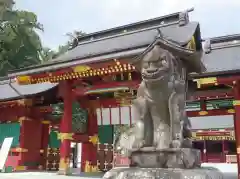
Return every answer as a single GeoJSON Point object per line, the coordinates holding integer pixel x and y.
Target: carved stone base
{"type": "Point", "coordinates": [149, 157]}
{"type": "Point", "coordinates": [161, 173]}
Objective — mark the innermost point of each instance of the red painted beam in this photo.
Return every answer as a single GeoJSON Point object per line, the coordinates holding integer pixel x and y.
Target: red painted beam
{"type": "Point", "coordinates": [107, 103]}
{"type": "Point", "coordinates": [213, 133]}
{"type": "Point", "coordinates": [13, 113]}
{"type": "Point", "coordinates": [83, 138]}
{"type": "Point", "coordinates": [214, 112]}
{"type": "Point", "coordinates": [42, 109]}
{"type": "Point", "coordinates": [230, 80]}
{"type": "Point", "coordinates": [210, 95]}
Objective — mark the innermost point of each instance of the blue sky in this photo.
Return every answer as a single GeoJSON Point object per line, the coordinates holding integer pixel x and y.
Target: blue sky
{"type": "Point", "coordinates": [216, 17]}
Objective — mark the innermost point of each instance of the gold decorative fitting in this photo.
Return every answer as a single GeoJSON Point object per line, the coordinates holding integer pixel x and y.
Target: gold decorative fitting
{"type": "Point", "coordinates": [64, 164]}
{"type": "Point", "coordinates": [21, 150]}
{"type": "Point", "coordinates": [231, 111]}
{"type": "Point", "coordinates": [20, 168]}
{"type": "Point", "coordinates": [238, 150]}
{"type": "Point", "coordinates": [65, 136]}
{"type": "Point", "coordinates": [45, 122]}
{"type": "Point", "coordinates": [94, 139]}
{"type": "Point", "coordinates": [90, 168]}
{"type": "Point", "coordinates": [204, 81]}
{"type": "Point", "coordinates": [23, 118]}
{"type": "Point", "coordinates": [192, 44]}
{"type": "Point", "coordinates": [193, 134]}
{"type": "Point", "coordinates": [81, 72]}
{"type": "Point", "coordinates": [23, 80]}
{"type": "Point", "coordinates": [87, 167]}
{"type": "Point", "coordinates": [213, 138]}
{"type": "Point", "coordinates": [236, 103]}
{"type": "Point", "coordinates": [203, 113]}
{"type": "Point", "coordinates": [25, 102]}
{"type": "Point", "coordinates": [232, 133]}
{"type": "Point", "coordinates": [81, 68]}
{"type": "Point", "coordinates": [94, 168]}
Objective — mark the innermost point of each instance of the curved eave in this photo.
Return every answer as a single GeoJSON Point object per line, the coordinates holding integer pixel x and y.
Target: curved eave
{"type": "Point", "coordinates": [10, 90]}
{"type": "Point", "coordinates": [215, 74]}
{"type": "Point", "coordinates": [102, 58]}
{"type": "Point", "coordinates": [191, 58]}
{"type": "Point", "coordinates": [221, 57]}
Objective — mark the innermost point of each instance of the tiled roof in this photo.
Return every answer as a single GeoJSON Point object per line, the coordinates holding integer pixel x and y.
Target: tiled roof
{"type": "Point", "coordinates": [10, 90]}
{"type": "Point", "coordinates": [223, 55]}
{"type": "Point", "coordinates": [128, 43]}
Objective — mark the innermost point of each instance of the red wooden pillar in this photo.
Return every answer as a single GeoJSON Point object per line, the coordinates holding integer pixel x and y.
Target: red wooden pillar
{"type": "Point", "coordinates": [236, 103]}
{"type": "Point", "coordinates": [30, 143]}
{"type": "Point", "coordinates": [44, 143]}
{"type": "Point", "coordinates": [224, 150]}
{"type": "Point", "coordinates": [205, 151]}
{"type": "Point", "coordinates": [65, 134]}
{"type": "Point", "coordinates": [203, 105]}
{"type": "Point", "coordinates": [89, 150]}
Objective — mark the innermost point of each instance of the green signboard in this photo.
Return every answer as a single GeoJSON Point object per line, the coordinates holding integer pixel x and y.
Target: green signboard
{"type": "Point", "coordinates": [10, 130]}
{"type": "Point", "coordinates": [105, 134]}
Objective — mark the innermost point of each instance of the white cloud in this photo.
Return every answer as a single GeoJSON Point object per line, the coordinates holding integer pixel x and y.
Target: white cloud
{"type": "Point", "coordinates": [217, 17]}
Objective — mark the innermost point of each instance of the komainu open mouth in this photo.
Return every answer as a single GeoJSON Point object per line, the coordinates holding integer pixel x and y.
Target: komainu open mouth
{"type": "Point", "coordinates": [154, 75]}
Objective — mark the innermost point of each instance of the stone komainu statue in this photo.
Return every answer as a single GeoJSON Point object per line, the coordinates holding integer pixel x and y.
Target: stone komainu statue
{"type": "Point", "coordinates": [161, 121]}
{"type": "Point", "coordinates": [159, 145]}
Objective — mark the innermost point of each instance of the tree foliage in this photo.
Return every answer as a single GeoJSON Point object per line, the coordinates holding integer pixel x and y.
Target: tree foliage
{"type": "Point", "coordinates": [20, 45]}
{"type": "Point", "coordinates": [47, 54]}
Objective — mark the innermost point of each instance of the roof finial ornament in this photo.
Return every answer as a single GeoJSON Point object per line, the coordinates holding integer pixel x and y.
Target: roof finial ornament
{"type": "Point", "coordinates": [159, 32]}
{"type": "Point", "coordinates": [183, 18]}
{"type": "Point", "coordinates": [207, 46]}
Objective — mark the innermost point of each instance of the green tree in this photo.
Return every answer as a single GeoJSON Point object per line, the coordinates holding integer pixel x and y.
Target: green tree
{"type": "Point", "coordinates": [48, 54]}
{"type": "Point", "coordinates": [20, 45]}
{"type": "Point", "coordinates": [71, 43]}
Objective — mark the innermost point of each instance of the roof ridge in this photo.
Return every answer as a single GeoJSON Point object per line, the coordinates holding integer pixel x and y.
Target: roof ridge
{"type": "Point", "coordinates": [129, 33]}
{"type": "Point", "coordinates": [134, 24]}
{"type": "Point", "coordinates": [223, 38]}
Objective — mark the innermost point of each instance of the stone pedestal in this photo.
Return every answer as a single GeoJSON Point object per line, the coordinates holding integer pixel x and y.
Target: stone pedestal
{"type": "Point", "coordinates": [149, 157]}
{"type": "Point", "coordinates": [162, 173]}
{"type": "Point", "coordinates": [172, 163]}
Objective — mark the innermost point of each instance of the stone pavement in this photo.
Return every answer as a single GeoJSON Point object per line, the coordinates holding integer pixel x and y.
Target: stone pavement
{"type": "Point", "coordinates": [53, 175]}
{"type": "Point", "coordinates": [47, 175]}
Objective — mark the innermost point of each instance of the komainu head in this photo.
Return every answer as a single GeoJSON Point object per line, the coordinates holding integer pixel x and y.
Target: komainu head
{"type": "Point", "coordinates": [157, 65]}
